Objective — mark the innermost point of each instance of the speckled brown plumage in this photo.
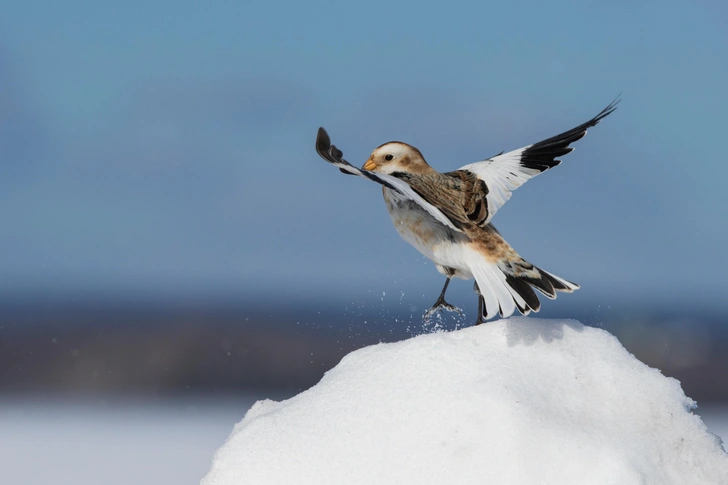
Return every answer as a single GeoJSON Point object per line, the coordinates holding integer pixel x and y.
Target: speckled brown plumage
{"type": "Point", "coordinates": [461, 195]}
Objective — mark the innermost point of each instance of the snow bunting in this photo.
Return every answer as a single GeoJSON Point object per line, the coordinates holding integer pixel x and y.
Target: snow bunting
{"type": "Point", "coordinates": [447, 216]}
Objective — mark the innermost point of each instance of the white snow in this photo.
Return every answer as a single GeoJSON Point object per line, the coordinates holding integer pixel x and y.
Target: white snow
{"type": "Point", "coordinates": [517, 401]}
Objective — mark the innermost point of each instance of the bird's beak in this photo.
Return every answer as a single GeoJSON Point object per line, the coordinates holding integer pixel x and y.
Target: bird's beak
{"type": "Point", "coordinates": [370, 165]}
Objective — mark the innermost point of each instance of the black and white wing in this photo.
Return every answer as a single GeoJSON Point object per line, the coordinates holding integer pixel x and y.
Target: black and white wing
{"type": "Point", "coordinates": [505, 172]}
{"type": "Point", "coordinates": [333, 155]}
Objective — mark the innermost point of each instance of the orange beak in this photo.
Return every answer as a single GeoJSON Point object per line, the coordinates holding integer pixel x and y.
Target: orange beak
{"type": "Point", "coordinates": [370, 165]}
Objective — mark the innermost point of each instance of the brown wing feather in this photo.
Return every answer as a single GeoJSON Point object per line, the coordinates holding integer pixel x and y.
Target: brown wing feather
{"type": "Point", "coordinates": [474, 196]}
{"type": "Point", "coordinates": [460, 195]}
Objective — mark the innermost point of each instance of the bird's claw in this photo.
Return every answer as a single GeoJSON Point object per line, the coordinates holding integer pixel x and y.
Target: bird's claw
{"type": "Point", "coordinates": [441, 305]}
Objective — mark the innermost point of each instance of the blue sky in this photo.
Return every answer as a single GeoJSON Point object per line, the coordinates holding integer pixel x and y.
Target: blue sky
{"type": "Point", "coordinates": [166, 148]}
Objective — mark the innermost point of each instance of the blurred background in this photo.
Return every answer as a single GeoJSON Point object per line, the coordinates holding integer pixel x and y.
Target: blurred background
{"type": "Point", "coordinates": [173, 249]}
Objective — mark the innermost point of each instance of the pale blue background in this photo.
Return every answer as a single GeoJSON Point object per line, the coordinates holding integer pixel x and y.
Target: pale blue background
{"type": "Point", "coordinates": [165, 148]}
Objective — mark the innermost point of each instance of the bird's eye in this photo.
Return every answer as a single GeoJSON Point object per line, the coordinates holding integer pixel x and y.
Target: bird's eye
{"type": "Point", "coordinates": [388, 157]}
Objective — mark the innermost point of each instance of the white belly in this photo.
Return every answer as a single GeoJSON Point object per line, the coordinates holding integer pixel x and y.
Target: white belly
{"type": "Point", "coordinates": [442, 245]}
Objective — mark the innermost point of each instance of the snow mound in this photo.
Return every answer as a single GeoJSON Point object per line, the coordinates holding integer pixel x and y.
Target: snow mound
{"type": "Point", "coordinates": [517, 401]}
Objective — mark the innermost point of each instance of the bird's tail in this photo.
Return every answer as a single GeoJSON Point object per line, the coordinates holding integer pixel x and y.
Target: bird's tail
{"type": "Point", "coordinates": [509, 283]}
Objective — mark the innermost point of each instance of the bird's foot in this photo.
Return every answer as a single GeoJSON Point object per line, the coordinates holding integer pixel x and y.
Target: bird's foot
{"type": "Point", "coordinates": [440, 304]}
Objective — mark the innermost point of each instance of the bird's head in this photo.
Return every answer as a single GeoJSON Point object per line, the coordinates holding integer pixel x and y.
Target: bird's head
{"type": "Point", "coordinates": [396, 156]}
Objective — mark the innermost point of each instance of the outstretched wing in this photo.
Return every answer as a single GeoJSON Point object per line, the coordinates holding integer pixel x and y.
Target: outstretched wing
{"type": "Point", "coordinates": [333, 155]}
{"type": "Point", "coordinates": [505, 172]}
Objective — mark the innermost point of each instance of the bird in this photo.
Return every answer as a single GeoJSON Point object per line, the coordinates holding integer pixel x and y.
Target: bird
{"type": "Point", "coordinates": [447, 216]}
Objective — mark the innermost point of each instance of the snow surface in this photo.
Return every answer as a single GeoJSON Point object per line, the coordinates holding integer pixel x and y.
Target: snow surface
{"type": "Point", "coordinates": [517, 401]}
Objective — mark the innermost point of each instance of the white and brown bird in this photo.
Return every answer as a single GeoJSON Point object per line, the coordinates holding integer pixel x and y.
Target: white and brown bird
{"type": "Point", "coordinates": [447, 216]}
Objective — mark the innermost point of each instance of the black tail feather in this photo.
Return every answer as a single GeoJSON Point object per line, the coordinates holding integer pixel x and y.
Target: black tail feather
{"type": "Point", "coordinates": [546, 283]}
{"type": "Point", "coordinates": [541, 284]}
{"type": "Point", "coordinates": [524, 289]}
{"type": "Point", "coordinates": [558, 285]}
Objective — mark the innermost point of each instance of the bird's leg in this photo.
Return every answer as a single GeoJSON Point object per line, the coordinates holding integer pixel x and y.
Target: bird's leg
{"type": "Point", "coordinates": [441, 304]}
{"type": "Point", "coordinates": [481, 310]}
{"type": "Point", "coordinates": [481, 306]}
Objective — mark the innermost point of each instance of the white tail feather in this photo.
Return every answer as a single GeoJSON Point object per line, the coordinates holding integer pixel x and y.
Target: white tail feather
{"type": "Point", "coordinates": [498, 282]}
{"type": "Point", "coordinates": [492, 284]}
{"type": "Point", "coordinates": [489, 295]}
